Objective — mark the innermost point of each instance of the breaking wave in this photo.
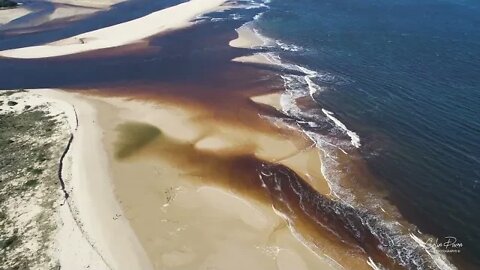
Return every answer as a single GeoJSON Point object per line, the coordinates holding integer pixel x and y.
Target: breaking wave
{"type": "Point", "coordinates": [303, 88]}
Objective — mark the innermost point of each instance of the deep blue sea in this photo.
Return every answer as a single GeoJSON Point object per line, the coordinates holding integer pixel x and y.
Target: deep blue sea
{"type": "Point", "coordinates": [405, 77]}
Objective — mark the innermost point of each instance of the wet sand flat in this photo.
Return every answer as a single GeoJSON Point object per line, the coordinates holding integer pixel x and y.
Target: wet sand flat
{"type": "Point", "coordinates": [192, 199]}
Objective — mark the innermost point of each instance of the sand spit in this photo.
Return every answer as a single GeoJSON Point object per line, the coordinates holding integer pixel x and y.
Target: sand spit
{"type": "Point", "coordinates": [69, 11]}
{"type": "Point", "coordinates": [248, 38]}
{"type": "Point", "coordinates": [8, 15]}
{"type": "Point", "coordinates": [267, 59]}
{"type": "Point", "coordinates": [168, 19]}
{"type": "Point", "coordinates": [64, 9]}
{"type": "Point", "coordinates": [272, 100]}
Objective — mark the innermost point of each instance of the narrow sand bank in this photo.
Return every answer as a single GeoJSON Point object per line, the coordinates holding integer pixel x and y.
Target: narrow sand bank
{"type": "Point", "coordinates": [10, 14]}
{"type": "Point", "coordinates": [168, 19]}
{"type": "Point", "coordinates": [63, 9]}
{"type": "Point", "coordinates": [248, 38]}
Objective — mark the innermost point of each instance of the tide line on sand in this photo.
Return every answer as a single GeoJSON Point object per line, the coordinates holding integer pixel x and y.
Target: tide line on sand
{"type": "Point", "coordinates": [172, 18]}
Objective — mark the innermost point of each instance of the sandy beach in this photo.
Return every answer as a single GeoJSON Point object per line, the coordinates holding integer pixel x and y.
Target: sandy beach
{"type": "Point", "coordinates": [8, 15]}
{"type": "Point", "coordinates": [171, 192]}
{"type": "Point", "coordinates": [93, 221]}
{"type": "Point", "coordinates": [181, 189]}
{"type": "Point", "coordinates": [248, 38]}
{"type": "Point", "coordinates": [62, 9]}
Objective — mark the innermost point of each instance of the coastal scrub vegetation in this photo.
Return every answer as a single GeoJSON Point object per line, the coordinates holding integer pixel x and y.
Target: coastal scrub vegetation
{"type": "Point", "coordinates": [31, 143]}
{"type": "Point", "coordinates": [7, 4]}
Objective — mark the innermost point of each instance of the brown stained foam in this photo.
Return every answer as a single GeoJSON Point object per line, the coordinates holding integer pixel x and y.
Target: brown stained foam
{"type": "Point", "coordinates": [315, 216]}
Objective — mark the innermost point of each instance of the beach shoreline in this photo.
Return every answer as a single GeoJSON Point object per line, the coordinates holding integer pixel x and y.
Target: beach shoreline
{"type": "Point", "coordinates": [176, 184]}
{"type": "Point", "coordinates": [91, 210]}
{"type": "Point", "coordinates": [100, 202]}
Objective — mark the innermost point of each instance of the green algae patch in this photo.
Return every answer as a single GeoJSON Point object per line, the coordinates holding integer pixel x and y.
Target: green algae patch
{"type": "Point", "coordinates": [133, 136]}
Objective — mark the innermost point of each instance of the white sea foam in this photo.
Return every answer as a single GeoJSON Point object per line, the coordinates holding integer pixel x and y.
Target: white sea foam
{"type": "Point", "coordinates": [300, 86]}
{"type": "Point", "coordinates": [258, 16]}
{"type": "Point", "coordinates": [313, 88]}
{"type": "Point", "coordinates": [355, 139]}
{"type": "Point", "coordinates": [215, 19]}
{"type": "Point", "coordinates": [266, 41]}
{"type": "Point", "coordinates": [374, 266]}
{"type": "Point", "coordinates": [440, 260]}
{"type": "Point", "coordinates": [235, 16]}
{"type": "Point", "coordinates": [252, 4]}
{"type": "Point", "coordinates": [288, 47]}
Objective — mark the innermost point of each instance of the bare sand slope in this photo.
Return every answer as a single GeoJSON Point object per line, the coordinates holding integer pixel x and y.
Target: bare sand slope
{"type": "Point", "coordinates": [175, 17]}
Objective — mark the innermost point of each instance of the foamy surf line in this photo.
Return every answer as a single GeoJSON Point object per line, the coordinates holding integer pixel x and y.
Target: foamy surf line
{"type": "Point", "coordinates": [300, 86]}
{"type": "Point", "coordinates": [172, 18]}
{"type": "Point", "coordinates": [312, 87]}
{"type": "Point", "coordinates": [354, 138]}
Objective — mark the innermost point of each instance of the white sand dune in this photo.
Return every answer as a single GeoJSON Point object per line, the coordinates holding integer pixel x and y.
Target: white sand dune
{"type": "Point", "coordinates": [171, 18]}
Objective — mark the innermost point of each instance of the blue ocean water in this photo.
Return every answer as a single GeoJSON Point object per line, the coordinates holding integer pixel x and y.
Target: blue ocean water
{"type": "Point", "coordinates": [405, 76]}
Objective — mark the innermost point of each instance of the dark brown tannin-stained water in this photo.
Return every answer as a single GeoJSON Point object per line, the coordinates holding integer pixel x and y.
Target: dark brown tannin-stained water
{"type": "Point", "coordinates": [193, 66]}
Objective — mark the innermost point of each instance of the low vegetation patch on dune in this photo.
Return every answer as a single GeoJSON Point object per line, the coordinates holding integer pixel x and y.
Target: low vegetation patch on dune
{"type": "Point", "coordinates": [32, 140]}
{"type": "Point", "coordinates": [7, 4]}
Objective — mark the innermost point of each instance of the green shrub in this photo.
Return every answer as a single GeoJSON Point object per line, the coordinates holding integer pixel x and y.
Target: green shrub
{"type": "Point", "coordinates": [31, 183]}
{"type": "Point", "coordinates": [8, 242]}
{"type": "Point", "coordinates": [7, 4]}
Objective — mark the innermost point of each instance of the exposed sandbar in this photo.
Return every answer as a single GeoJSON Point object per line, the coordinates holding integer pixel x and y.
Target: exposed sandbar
{"type": "Point", "coordinates": [248, 38]}
{"type": "Point", "coordinates": [168, 19]}
{"type": "Point", "coordinates": [8, 15]}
